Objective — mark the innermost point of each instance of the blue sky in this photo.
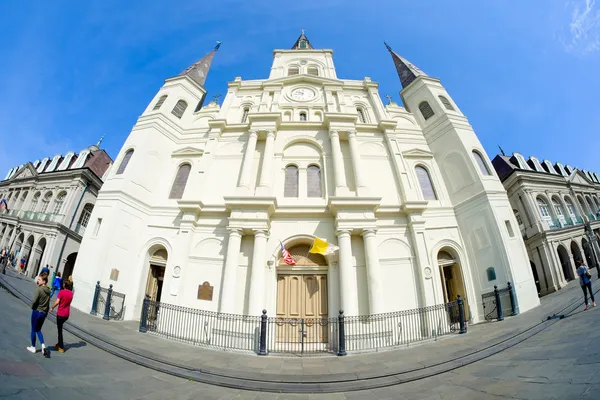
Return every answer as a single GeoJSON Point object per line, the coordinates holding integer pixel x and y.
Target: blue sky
{"type": "Point", "coordinates": [525, 73]}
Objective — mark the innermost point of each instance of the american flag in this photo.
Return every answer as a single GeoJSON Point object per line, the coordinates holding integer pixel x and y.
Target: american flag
{"type": "Point", "coordinates": [287, 257]}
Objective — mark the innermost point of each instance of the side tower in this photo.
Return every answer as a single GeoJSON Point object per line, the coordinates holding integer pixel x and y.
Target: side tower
{"type": "Point", "coordinates": [147, 180]}
{"type": "Point", "coordinates": [487, 224]}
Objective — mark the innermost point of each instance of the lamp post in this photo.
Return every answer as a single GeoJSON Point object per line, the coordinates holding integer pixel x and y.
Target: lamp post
{"type": "Point", "coordinates": [592, 239]}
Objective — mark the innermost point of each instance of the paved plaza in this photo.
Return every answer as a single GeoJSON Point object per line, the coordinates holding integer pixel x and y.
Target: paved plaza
{"type": "Point", "coordinates": [559, 360]}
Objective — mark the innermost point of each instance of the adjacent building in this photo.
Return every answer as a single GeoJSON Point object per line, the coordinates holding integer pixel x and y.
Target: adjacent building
{"type": "Point", "coordinates": [203, 198]}
{"type": "Point", "coordinates": [557, 209]}
{"type": "Point", "coordinates": [50, 202]}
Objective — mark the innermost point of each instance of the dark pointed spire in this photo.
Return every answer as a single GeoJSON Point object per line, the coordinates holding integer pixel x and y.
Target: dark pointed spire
{"type": "Point", "coordinates": [302, 42]}
{"type": "Point", "coordinates": [199, 70]}
{"type": "Point", "coordinates": [407, 72]}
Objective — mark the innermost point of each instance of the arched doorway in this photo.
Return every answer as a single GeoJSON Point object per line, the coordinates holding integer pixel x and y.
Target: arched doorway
{"type": "Point", "coordinates": [536, 277]}
{"type": "Point", "coordinates": [302, 292]}
{"type": "Point", "coordinates": [565, 262]}
{"type": "Point", "coordinates": [576, 251]}
{"type": "Point", "coordinates": [36, 256]}
{"type": "Point", "coordinates": [453, 282]}
{"type": "Point", "coordinates": [26, 253]}
{"type": "Point", "coordinates": [18, 245]}
{"type": "Point", "coordinates": [69, 265]}
{"type": "Point", "coordinates": [156, 272]}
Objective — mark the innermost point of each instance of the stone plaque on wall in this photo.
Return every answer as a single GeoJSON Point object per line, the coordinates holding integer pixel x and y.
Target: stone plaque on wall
{"type": "Point", "coordinates": [114, 274]}
{"type": "Point", "coordinates": [205, 292]}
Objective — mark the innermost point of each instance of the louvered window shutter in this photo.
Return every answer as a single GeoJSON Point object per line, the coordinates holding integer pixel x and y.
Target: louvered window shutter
{"type": "Point", "coordinates": [291, 182]}
{"type": "Point", "coordinates": [446, 103]}
{"type": "Point", "coordinates": [426, 184]}
{"type": "Point", "coordinates": [125, 162]}
{"type": "Point", "coordinates": [314, 181]}
{"type": "Point", "coordinates": [159, 102]}
{"type": "Point", "coordinates": [426, 110]}
{"type": "Point", "coordinates": [180, 181]}
{"type": "Point", "coordinates": [179, 108]}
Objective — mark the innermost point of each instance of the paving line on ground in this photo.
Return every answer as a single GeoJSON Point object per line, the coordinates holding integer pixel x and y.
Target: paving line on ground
{"type": "Point", "coordinates": [296, 386]}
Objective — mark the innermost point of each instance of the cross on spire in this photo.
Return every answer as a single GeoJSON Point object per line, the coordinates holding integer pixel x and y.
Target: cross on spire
{"type": "Point", "coordinates": [216, 97]}
{"type": "Point", "coordinates": [389, 98]}
{"type": "Point", "coordinates": [199, 70]}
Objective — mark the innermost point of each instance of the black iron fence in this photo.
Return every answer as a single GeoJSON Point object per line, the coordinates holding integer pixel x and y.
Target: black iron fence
{"type": "Point", "coordinates": [263, 335]}
{"type": "Point", "coordinates": [499, 303]}
{"type": "Point", "coordinates": [109, 303]}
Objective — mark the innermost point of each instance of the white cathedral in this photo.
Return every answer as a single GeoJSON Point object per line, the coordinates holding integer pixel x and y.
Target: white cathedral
{"type": "Point", "coordinates": [201, 199]}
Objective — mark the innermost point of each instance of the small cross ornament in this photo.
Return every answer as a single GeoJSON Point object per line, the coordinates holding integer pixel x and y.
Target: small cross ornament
{"type": "Point", "coordinates": [389, 99]}
{"type": "Point", "coordinates": [216, 97]}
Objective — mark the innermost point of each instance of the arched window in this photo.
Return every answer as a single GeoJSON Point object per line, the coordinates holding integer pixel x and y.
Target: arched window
{"type": "Point", "coordinates": [293, 71]}
{"type": "Point", "coordinates": [570, 207]}
{"type": "Point", "coordinates": [245, 115]}
{"type": "Point", "coordinates": [426, 110]}
{"type": "Point", "coordinates": [544, 210]}
{"type": "Point", "coordinates": [559, 209]}
{"type": "Point", "coordinates": [591, 205]}
{"type": "Point", "coordinates": [84, 218]}
{"type": "Point", "coordinates": [361, 115]}
{"type": "Point", "coordinates": [180, 181]}
{"type": "Point", "coordinates": [582, 204]}
{"type": "Point", "coordinates": [179, 108]}
{"type": "Point", "coordinates": [425, 183]}
{"type": "Point", "coordinates": [34, 201]}
{"type": "Point", "coordinates": [314, 181]}
{"type": "Point", "coordinates": [125, 161]}
{"type": "Point", "coordinates": [291, 181]}
{"type": "Point", "coordinates": [58, 202]}
{"type": "Point", "coordinates": [481, 163]}
{"type": "Point", "coordinates": [160, 102]}
{"type": "Point", "coordinates": [446, 103]}
{"type": "Point", "coordinates": [302, 116]}
{"type": "Point", "coordinates": [313, 71]}
{"type": "Point", "coordinates": [46, 202]}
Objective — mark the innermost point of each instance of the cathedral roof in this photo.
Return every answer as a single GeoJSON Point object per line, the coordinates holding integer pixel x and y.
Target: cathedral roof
{"type": "Point", "coordinates": [302, 43]}
{"type": "Point", "coordinates": [199, 70]}
{"type": "Point", "coordinates": [407, 72]}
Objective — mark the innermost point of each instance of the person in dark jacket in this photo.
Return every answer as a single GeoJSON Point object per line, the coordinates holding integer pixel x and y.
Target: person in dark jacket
{"type": "Point", "coordinates": [40, 307]}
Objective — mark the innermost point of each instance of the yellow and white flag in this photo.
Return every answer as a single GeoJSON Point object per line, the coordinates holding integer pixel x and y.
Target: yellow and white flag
{"type": "Point", "coordinates": [320, 246]}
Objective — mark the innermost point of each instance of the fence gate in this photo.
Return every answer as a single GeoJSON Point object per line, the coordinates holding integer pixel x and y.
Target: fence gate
{"type": "Point", "coordinates": [302, 335]}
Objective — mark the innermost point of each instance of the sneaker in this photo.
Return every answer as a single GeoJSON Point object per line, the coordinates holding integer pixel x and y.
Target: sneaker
{"type": "Point", "coordinates": [594, 304]}
{"type": "Point", "coordinates": [31, 349]}
{"type": "Point", "coordinates": [61, 350]}
{"type": "Point", "coordinates": [586, 308]}
{"type": "Point", "coordinates": [45, 351]}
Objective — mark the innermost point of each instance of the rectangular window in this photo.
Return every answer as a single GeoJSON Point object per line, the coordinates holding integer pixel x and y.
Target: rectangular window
{"type": "Point", "coordinates": [509, 228]}
{"type": "Point", "coordinates": [98, 224]}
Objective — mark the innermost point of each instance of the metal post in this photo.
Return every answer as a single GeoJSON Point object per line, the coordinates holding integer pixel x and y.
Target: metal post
{"type": "Point", "coordinates": [107, 308]}
{"type": "Point", "coordinates": [342, 335]}
{"type": "Point", "coordinates": [144, 316]}
{"type": "Point", "coordinates": [513, 299]}
{"type": "Point", "coordinates": [498, 304]}
{"type": "Point", "coordinates": [95, 301]}
{"type": "Point", "coordinates": [461, 315]}
{"type": "Point", "coordinates": [262, 350]}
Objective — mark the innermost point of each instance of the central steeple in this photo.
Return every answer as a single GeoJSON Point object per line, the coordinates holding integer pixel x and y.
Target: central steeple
{"type": "Point", "coordinates": [302, 43]}
{"type": "Point", "coordinates": [199, 70]}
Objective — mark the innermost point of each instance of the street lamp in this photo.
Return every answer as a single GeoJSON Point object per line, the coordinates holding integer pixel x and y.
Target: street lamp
{"type": "Point", "coordinates": [592, 239]}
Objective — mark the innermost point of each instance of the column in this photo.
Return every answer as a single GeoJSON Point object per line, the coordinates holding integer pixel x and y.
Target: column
{"type": "Point", "coordinates": [373, 271]}
{"type": "Point", "coordinates": [248, 159]}
{"type": "Point", "coordinates": [266, 173]}
{"type": "Point", "coordinates": [333, 289]}
{"type": "Point", "coordinates": [361, 189]}
{"type": "Point", "coordinates": [338, 164]}
{"type": "Point", "coordinates": [535, 211]}
{"type": "Point", "coordinates": [348, 282]}
{"type": "Point", "coordinates": [428, 290]}
{"type": "Point", "coordinates": [228, 288]}
{"type": "Point", "coordinates": [553, 284]}
{"type": "Point", "coordinates": [256, 298]}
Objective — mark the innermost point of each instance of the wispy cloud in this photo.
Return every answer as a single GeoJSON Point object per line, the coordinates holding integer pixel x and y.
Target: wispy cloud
{"type": "Point", "coordinates": [584, 27]}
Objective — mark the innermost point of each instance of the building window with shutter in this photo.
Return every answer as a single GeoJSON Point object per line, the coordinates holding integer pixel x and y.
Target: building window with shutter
{"type": "Point", "coordinates": [314, 181]}
{"type": "Point", "coordinates": [125, 161]}
{"type": "Point", "coordinates": [159, 102]}
{"type": "Point", "coordinates": [35, 201]}
{"type": "Point", "coordinates": [481, 163]}
{"type": "Point", "coordinates": [84, 219]}
{"type": "Point", "coordinates": [179, 108]}
{"type": "Point", "coordinates": [544, 210]}
{"type": "Point", "coordinates": [313, 71]}
{"type": "Point", "coordinates": [425, 183]}
{"type": "Point", "coordinates": [46, 202]}
{"type": "Point", "coordinates": [426, 110]}
{"type": "Point", "coordinates": [291, 181]}
{"type": "Point", "coordinates": [361, 116]}
{"type": "Point", "coordinates": [180, 181]}
{"type": "Point", "coordinates": [58, 202]}
{"type": "Point", "coordinates": [446, 103]}
{"type": "Point", "coordinates": [293, 71]}
{"type": "Point", "coordinates": [245, 115]}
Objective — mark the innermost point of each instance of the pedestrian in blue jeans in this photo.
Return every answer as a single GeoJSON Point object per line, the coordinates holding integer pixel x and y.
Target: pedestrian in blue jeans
{"type": "Point", "coordinates": [40, 307]}
{"type": "Point", "coordinates": [585, 280]}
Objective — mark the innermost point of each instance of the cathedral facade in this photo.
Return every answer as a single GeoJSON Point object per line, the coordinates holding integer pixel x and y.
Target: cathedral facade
{"type": "Point", "coordinates": [202, 200]}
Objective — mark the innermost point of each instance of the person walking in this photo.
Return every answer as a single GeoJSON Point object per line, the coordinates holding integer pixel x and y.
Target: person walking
{"type": "Point", "coordinates": [63, 302]}
{"type": "Point", "coordinates": [56, 284]}
{"type": "Point", "coordinates": [585, 281]}
{"type": "Point", "coordinates": [39, 306]}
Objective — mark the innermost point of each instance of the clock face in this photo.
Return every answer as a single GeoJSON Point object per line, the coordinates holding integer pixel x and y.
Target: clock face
{"type": "Point", "coordinates": [303, 94]}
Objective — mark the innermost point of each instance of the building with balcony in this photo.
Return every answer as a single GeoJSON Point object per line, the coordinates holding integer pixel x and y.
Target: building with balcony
{"type": "Point", "coordinates": [50, 202]}
{"type": "Point", "coordinates": [557, 209]}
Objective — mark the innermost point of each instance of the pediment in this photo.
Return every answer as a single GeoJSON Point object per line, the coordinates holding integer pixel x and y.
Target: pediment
{"type": "Point", "coordinates": [26, 172]}
{"type": "Point", "coordinates": [188, 152]}
{"type": "Point", "coordinates": [578, 177]}
{"type": "Point", "coordinates": [417, 153]}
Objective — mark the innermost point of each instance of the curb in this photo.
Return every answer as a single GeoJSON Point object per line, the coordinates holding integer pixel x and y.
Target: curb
{"type": "Point", "coordinates": [332, 383]}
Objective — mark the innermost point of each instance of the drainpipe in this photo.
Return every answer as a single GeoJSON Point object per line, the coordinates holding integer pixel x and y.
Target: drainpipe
{"type": "Point", "coordinates": [71, 224]}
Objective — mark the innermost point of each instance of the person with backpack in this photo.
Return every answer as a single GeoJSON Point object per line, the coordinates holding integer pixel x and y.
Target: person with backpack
{"type": "Point", "coordinates": [585, 281]}
{"type": "Point", "coordinates": [40, 307]}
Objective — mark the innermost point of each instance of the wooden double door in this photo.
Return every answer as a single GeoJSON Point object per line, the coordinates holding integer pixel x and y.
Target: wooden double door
{"type": "Point", "coordinates": [302, 308]}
